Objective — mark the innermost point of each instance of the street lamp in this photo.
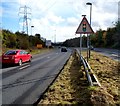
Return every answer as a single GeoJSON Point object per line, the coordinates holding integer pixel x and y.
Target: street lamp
{"type": "Point", "coordinates": [55, 36]}
{"type": "Point", "coordinates": [90, 10]}
{"type": "Point", "coordinates": [31, 30]}
{"type": "Point", "coordinates": [90, 23]}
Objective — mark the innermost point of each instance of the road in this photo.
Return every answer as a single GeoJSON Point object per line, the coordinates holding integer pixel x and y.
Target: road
{"type": "Point", "coordinates": [25, 84]}
{"type": "Point", "coordinates": [112, 53]}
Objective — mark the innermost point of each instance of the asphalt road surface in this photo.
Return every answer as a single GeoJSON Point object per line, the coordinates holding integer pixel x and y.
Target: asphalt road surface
{"type": "Point", "coordinates": [112, 53]}
{"type": "Point", "coordinates": [25, 84]}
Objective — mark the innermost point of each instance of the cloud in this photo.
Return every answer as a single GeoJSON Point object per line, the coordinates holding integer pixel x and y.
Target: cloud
{"type": "Point", "coordinates": [48, 31]}
{"type": "Point", "coordinates": [95, 24]}
{"type": "Point", "coordinates": [64, 16]}
{"type": "Point", "coordinates": [65, 32]}
{"type": "Point", "coordinates": [72, 21]}
{"type": "Point", "coordinates": [55, 19]}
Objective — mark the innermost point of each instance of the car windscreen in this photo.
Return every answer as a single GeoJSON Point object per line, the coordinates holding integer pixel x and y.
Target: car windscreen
{"type": "Point", "coordinates": [11, 53]}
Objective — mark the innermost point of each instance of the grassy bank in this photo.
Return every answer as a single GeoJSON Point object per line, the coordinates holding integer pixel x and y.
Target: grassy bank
{"type": "Point", "coordinates": [107, 71]}
{"type": "Point", "coordinates": [71, 85]}
{"type": "Point", "coordinates": [33, 51]}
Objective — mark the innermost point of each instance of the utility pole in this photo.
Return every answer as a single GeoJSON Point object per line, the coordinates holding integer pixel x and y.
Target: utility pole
{"type": "Point", "coordinates": [55, 37]}
{"type": "Point", "coordinates": [90, 4]}
{"type": "Point", "coordinates": [31, 29]}
{"type": "Point", "coordinates": [119, 11]}
{"type": "Point", "coordinates": [24, 12]}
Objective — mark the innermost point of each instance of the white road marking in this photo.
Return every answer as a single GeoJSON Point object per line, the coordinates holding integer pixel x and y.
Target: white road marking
{"type": "Point", "coordinates": [114, 55]}
{"type": "Point", "coordinates": [24, 67]}
{"type": "Point", "coordinates": [0, 71]}
{"type": "Point", "coordinates": [48, 57]}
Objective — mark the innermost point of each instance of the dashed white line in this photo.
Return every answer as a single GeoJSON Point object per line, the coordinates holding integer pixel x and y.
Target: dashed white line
{"type": "Point", "coordinates": [48, 57]}
{"type": "Point", "coordinates": [24, 67]}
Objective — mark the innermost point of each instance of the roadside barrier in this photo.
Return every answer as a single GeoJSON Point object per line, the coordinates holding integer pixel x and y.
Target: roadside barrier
{"type": "Point", "coordinates": [91, 78]}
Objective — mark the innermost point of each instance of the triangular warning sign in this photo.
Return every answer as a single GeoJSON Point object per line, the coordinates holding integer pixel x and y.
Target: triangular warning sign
{"type": "Point", "coordinates": [84, 27]}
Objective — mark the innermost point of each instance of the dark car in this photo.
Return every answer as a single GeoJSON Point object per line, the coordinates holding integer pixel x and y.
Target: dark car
{"type": "Point", "coordinates": [63, 49]}
{"type": "Point", "coordinates": [16, 57]}
{"type": "Point", "coordinates": [91, 48]}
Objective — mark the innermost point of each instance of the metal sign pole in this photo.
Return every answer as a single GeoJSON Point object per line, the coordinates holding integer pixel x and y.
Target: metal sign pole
{"type": "Point", "coordinates": [80, 44]}
{"type": "Point", "coordinates": [87, 47]}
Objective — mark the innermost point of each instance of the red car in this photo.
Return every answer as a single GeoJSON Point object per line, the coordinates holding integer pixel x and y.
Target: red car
{"type": "Point", "coordinates": [16, 57]}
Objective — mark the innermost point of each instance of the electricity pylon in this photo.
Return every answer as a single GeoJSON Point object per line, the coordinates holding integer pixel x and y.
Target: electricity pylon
{"type": "Point", "coordinates": [24, 13]}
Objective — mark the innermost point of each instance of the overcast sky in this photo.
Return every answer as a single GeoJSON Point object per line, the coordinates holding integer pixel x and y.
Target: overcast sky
{"type": "Point", "coordinates": [58, 17]}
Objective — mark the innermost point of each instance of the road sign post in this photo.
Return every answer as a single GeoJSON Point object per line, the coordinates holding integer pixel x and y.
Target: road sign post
{"type": "Point", "coordinates": [87, 47]}
{"type": "Point", "coordinates": [80, 44]}
{"type": "Point", "coordinates": [84, 28]}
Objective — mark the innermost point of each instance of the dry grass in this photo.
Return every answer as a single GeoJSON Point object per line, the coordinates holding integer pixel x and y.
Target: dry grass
{"type": "Point", "coordinates": [107, 71]}
{"type": "Point", "coordinates": [33, 50]}
{"type": "Point", "coordinates": [71, 85]}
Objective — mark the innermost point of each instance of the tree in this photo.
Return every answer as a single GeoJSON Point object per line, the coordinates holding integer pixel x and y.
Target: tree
{"type": "Point", "coordinates": [99, 40]}
{"type": "Point", "coordinates": [93, 39]}
{"type": "Point", "coordinates": [22, 40]}
{"type": "Point", "coordinates": [109, 37]}
{"type": "Point", "coordinates": [117, 35]}
{"type": "Point", "coordinates": [9, 39]}
{"type": "Point", "coordinates": [104, 38]}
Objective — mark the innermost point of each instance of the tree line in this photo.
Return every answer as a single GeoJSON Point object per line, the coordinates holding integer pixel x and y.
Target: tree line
{"type": "Point", "coordinates": [109, 38]}
{"type": "Point", "coordinates": [19, 40]}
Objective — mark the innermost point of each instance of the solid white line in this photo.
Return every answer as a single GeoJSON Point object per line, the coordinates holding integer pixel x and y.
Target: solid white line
{"type": "Point", "coordinates": [24, 67]}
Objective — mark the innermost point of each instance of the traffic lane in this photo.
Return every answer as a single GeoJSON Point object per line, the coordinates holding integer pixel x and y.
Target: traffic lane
{"type": "Point", "coordinates": [12, 80]}
{"type": "Point", "coordinates": [112, 53]}
{"type": "Point", "coordinates": [36, 58]}
{"type": "Point", "coordinates": [83, 48]}
{"type": "Point", "coordinates": [29, 83]}
{"type": "Point", "coordinates": [115, 51]}
{"type": "Point", "coordinates": [22, 71]}
{"type": "Point", "coordinates": [52, 70]}
{"type": "Point", "coordinates": [32, 77]}
{"type": "Point", "coordinates": [8, 67]}
{"type": "Point", "coordinates": [7, 70]}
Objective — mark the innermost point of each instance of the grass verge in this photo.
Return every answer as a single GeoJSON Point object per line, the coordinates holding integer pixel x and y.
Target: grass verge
{"type": "Point", "coordinates": [71, 85]}
{"type": "Point", "coordinates": [33, 50]}
{"type": "Point", "coordinates": [107, 71]}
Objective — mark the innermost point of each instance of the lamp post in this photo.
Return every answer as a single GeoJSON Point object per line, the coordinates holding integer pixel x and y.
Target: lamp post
{"type": "Point", "coordinates": [90, 23]}
{"type": "Point", "coordinates": [31, 30]}
{"type": "Point", "coordinates": [90, 10]}
{"type": "Point", "coordinates": [55, 36]}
